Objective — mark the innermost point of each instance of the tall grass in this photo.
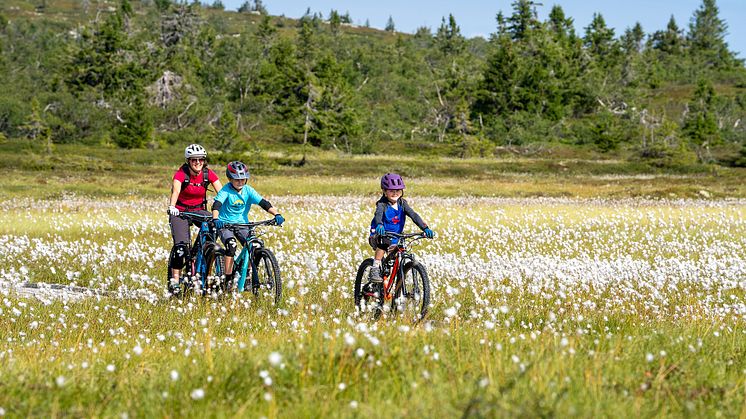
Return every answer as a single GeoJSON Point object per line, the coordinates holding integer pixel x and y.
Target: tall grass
{"type": "Point", "coordinates": [541, 307]}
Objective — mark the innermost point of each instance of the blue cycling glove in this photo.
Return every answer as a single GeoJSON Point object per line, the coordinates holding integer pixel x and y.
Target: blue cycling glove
{"type": "Point", "coordinates": [279, 219]}
{"type": "Point", "coordinates": [219, 223]}
{"type": "Point", "coordinates": [380, 230]}
{"type": "Point", "coordinates": [429, 233]}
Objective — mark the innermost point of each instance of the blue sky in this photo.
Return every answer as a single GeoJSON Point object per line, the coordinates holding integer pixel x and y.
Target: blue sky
{"type": "Point", "coordinates": [477, 17]}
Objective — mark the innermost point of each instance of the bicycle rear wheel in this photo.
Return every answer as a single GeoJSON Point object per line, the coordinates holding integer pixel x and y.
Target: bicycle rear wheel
{"type": "Point", "coordinates": [267, 283]}
{"type": "Point", "coordinates": [413, 291]}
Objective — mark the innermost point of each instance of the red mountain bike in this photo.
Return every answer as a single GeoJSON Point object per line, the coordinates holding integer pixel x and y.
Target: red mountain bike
{"type": "Point", "coordinates": [405, 282]}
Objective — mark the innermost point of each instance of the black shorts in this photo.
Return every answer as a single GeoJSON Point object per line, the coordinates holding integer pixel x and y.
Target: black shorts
{"type": "Point", "coordinates": [379, 242]}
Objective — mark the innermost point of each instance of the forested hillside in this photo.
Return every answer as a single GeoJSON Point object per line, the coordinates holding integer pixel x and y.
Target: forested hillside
{"type": "Point", "coordinates": [147, 73]}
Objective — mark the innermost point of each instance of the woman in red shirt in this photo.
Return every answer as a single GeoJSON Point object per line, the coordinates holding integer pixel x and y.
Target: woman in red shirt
{"type": "Point", "coordinates": [188, 193]}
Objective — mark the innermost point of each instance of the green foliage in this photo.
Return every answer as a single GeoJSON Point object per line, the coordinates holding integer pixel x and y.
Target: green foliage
{"type": "Point", "coordinates": [134, 127]}
{"type": "Point", "coordinates": [606, 134]}
{"type": "Point", "coordinates": [670, 41]}
{"type": "Point", "coordinates": [599, 41]}
{"type": "Point", "coordinates": [224, 131]}
{"type": "Point", "coordinates": [706, 37]}
{"type": "Point", "coordinates": [162, 5]}
{"type": "Point", "coordinates": [359, 90]}
{"type": "Point", "coordinates": [700, 124]}
{"type": "Point", "coordinates": [741, 160]}
{"type": "Point", "coordinates": [523, 20]}
{"type": "Point", "coordinates": [390, 26]}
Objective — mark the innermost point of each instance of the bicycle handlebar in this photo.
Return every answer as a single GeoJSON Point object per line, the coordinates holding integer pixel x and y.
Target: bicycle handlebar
{"type": "Point", "coordinates": [195, 216]}
{"type": "Point", "coordinates": [270, 222]}
{"type": "Point", "coordinates": [405, 235]}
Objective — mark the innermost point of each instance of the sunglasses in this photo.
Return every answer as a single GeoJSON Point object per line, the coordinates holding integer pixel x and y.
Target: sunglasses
{"type": "Point", "coordinates": [197, 160]}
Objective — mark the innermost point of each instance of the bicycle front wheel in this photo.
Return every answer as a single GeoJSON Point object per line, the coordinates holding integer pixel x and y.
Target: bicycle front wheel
{"type": "Point", "coordinates": [413, 291]}
{"type": "Point", "coordinates": [223, 283]}
{"type": "Point", "coordinates": [267, 282]}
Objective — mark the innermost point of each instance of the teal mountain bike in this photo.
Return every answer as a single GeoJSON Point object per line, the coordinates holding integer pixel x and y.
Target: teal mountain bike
{"type": "Point", "coordinates": [255, 268]}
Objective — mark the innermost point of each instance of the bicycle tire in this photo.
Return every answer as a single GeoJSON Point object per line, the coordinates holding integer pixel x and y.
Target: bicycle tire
{"type": "Point", "coordinates": [267, 275]}
{"type": "Point", "coordinates": [224, 284]}
{"type": "Point", "coordinates": [412, 290]}
{"type": "Point", "coordinates": [362, 299]}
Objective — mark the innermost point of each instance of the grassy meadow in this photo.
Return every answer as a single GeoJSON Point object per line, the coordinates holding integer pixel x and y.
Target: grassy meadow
{"type": "Point", "coordinates": [543, 306]}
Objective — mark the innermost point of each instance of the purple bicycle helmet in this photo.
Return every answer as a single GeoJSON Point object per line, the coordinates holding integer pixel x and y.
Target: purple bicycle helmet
{"type": "Point", "coordinates": [392, 181]}
{"type": "Point", "coordinates": [237, 170]}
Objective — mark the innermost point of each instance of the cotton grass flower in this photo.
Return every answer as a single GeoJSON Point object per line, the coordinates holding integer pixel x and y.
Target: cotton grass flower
{"type": "Point", "coordinates": [275, 359]}
{"type": "Point", "coordinates": [197, 394]}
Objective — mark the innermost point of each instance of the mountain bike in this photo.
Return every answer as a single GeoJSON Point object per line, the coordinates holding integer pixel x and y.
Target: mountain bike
{"type": "Point", "coordinates": [265, 278]}
{"type": "Point", "coordinates": [205, 263]}
{"type": "Point", "coordinates": [405, 281]}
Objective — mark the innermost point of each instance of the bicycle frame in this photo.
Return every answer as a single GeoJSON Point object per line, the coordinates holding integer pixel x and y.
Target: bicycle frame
{"type": "Point", "coordinates": [245, 258]}
{"type": "Point", "coordinates": [401, 257]}
{"type": "Point", "coordinates": [204, 243]}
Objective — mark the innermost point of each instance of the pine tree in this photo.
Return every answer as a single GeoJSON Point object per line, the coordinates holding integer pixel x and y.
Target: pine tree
{"type": "Point", "coordinates": [105, 61]}
{"type": "Point", "coordinates": [245, 7]}
{"type": "Point", "coordinates": [700, 124]}
{"type": "Point", "coordinates": [266, 33]}
{"type": "Point", "coordinates": [37, 128]}
{"type": "Point", "coordinates": [306, 44]}
{"type": "Point", "coordinates": [334, 22]}
{"type": "Point", "coordinates": [134, 127]}
{"type": "Point", "coordinates": [390, 27]}
{"type": "Point", "coordinates": [345, 18]}
{"type": "Point", "coordinates": [225, 131]}
{"type": "Point", "coordinates": [523, 19]}
{"type": "Point", "coordinates": [599, 40]}
{"type": "Point", "coordinates": [631, 40]}
{"type": "Point", "coordinates": [162, 5]}
{"type": "Point", "coordinates": [260, 8]}
{"type": "Point", "coordinates": [496, 90]}
{"type": "Point", "coordinates": [448, 39]}
{"type": "Point", "coordinates": [670, 41]}
{"type": "Point", "coordinates": [707, 36]}
{"type": "Point", "coordinates": [631, 44]}
{"type": "Point", "coordinates": [561, 26]}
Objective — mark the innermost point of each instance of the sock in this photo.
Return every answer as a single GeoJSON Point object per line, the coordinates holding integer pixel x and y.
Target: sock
{"type": "Point", "coordinates": [376, 263]}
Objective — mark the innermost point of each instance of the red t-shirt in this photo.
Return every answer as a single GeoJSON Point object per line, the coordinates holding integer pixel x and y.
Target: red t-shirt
{"type": "Point", "coordinates": [193, 195]}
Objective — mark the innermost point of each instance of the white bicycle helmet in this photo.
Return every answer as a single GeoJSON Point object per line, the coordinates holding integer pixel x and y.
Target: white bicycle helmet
{"type": "Point", "coordinates": [194, 151]}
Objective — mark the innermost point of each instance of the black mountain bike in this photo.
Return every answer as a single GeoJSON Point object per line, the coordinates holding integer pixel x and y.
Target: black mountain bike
{"type": "Point", "coordinates": [203, 272]}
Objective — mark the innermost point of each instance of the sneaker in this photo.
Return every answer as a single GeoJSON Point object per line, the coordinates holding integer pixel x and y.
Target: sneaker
{"type": "Point", "coordinates": [174, 288]}
{"type": "Point", "coordinates": [374, 275]}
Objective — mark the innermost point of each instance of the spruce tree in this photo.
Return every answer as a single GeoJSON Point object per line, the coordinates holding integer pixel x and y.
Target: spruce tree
{"type": "Point", "coordinates": [523, 19]}
{"type": "Point", "coordinates": [599, 40]}
{"type": "Point", "coordinates": [670, 41]}
{"type": "Point", "coordinates": [700, 125]}
{"type": "Point", "coordinates": [707, 36]}
{"type": "Point", "coordinates": [390, 27]}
